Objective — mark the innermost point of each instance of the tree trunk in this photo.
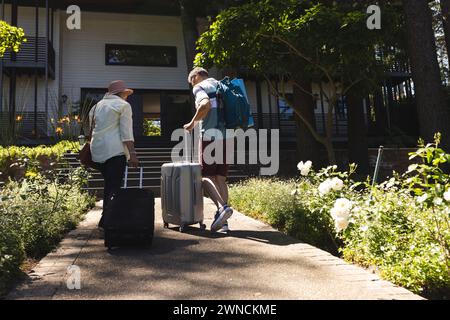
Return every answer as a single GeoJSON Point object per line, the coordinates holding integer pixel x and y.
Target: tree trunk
{"type": "Point", "coordinates": [190, 32]}
{"type": "Point", "coordinates": [433, 112]}
{"type": "Point", "coordinates": [308, 148]}
{"type": "Point", "coordinates": [445, 9]}
{"type": "Point", "coordinates": [357, 132]}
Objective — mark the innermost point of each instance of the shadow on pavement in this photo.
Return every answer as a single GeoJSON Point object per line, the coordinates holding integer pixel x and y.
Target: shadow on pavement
{"type": "Point", "coordinates": [267, 237]}
{"type": "Point", "coordinates": [160, 245]}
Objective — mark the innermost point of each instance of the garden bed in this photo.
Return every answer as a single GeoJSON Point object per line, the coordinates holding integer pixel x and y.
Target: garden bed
{"type": "Point", "coordinates": [38, 206]}
{"type": "Point", "coordinates": [400, 227]}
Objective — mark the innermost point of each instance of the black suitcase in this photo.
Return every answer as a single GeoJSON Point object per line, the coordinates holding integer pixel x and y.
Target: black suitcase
{"type": "Point", "coordinates": [129, 218]}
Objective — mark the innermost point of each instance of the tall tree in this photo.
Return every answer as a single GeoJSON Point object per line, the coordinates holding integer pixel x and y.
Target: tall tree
{"type": "Point", "coordinates": [445, 12]}
{"type": "Point", "coordinates": [357, 131]}
{"type": "Point", "coordinates": [432, 109]}
{"type": "Point", "coordinates": [328, 42]}
{"type": "Point", "coordinates": [190, 33]}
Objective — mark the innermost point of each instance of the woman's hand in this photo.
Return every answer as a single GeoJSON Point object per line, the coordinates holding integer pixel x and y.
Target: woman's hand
{"type": "Point", "coordinates": [189, 126]}
{"type": "Point", "coordinates": [134, 161]}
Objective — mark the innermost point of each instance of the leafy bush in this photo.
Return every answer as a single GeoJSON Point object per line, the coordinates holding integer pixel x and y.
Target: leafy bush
{"type": "Point", "coordinates": [401, 226]}
{"type": "Point", "coordinates": [16, 162]}
{"type": "Point", "coordinates": [34, 215]}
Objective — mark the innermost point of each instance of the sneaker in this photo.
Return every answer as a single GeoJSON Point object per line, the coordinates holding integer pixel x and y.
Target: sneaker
{"type": "Point", "coordinates": [221, 217]}
{"type": "Point", "coordinates": [225, 228]}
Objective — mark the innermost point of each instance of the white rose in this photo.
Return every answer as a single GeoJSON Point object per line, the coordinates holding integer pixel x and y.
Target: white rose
{"type": "Point", "coordinates": [335, 213]}
{"type": "Point", "coordinates": [437, 201]}
{"type": "Point", "coordinates": [422, 198]}
{"type": "Point", "coordinates": [300, 165]}
{"type": "Point", "coordinates": [343, 205]}
{"type": "Point", "coordinates": [447, 195]}
{"type": "Point", "coordinates": [337, 184]}
{"type": "Point", "coordinates": [325, 187]}
{"type": "Point", "coordinates": [304, 171]}
{"type": "Point", "coordinates": [341, 224]}
{"type": "Point", "coordinates": [390, 183]}
{"type": "Point", "coordinates": [304, 167]}
{"type": "Point", "coordinates": [364, 228]}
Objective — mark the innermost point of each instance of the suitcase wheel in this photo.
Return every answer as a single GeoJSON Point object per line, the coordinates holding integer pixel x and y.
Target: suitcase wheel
{"type": "Point", "coordinates": [166, 225]}
{"type": "Point", "coordinates": [182, 228]}
{"type": "Point", "coordinates": [202, 226]}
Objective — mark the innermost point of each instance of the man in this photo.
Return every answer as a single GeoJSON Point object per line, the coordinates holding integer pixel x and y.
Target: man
{"type": "Point", "coordinates": [211, 130]}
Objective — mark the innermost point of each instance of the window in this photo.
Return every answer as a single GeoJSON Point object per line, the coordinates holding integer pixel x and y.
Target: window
{"type": "Point", "coordinates": [286, 112]}
{"type": "Point", "coordinates": [133, 55]}
{"type": "Point", "coordinates": [151, 110]}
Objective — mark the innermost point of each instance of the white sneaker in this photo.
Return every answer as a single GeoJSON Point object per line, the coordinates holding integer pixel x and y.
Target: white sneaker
{"type": "Point", "coordinates": [221, 218]}
{"type": "Point", "coordinates": [225, 228]}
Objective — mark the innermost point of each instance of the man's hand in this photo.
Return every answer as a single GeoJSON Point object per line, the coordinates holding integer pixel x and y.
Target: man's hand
{"type": "Point", "coordinates": [133, 162]}
{"type": "Point", "coordinates": [190, 126]}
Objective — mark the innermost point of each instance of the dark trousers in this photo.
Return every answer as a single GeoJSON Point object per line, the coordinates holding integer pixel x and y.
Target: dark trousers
{"type": "Point", "coordinates": [112, 171]}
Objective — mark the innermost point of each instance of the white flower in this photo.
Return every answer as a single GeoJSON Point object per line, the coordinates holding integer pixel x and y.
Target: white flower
{"type": "Point", "coordinates": [341, 213]}
{"type": "Point", "coordinates": [336, 184]}
{"type": "Point", "coordinates": [294, 192]}
{"type": "Point", "coordinates": [412, 167]}
{"type": "Point", "coordinates": [304, 167]}
{"type": "Point", "coordinates": [390, 183]}
{"type": "Point", "coordinates": [447, 195]}
{"type": "Point", "coordinates": [422, 198]}
{"type": "Point", "coordinates": [364, 228]}
{"type": "Point", "coordinates": [437, 201]}
{"type": "Point", "coordinates": [341, 224]}
{"type": "Point", "coordinates": [325, 187]}
{"type": "Point", "coordinates": [344, 205]}
{"type": "Point", "coordinates": [335, 213]}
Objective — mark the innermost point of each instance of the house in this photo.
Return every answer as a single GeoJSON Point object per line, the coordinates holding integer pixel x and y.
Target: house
{"type": "Point", "coordinates": [61, 71]}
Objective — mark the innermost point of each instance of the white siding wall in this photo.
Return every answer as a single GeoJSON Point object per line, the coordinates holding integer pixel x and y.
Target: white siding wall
{"type": "Point", "coordinates": [83, 52]}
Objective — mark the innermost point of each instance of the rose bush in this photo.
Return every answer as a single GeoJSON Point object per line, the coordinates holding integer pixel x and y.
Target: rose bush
{"type": "Point", "coordinates": [400, 227]}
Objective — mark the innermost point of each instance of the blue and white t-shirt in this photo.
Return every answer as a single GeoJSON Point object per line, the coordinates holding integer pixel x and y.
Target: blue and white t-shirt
{"type": "Point", "coordinates": [206, 90]}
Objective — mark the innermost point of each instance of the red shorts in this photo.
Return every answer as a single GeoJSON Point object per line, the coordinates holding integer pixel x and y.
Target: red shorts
{"type": "Point", "coordinates": [214, 169]}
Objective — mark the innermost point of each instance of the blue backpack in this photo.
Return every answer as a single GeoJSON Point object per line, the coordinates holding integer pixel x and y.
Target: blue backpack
{"type": "Point", "coordinates": [234, 109]}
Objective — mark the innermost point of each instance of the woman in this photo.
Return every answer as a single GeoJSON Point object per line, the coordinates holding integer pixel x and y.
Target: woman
{"type": "Point", "coordinates": [112, 142]}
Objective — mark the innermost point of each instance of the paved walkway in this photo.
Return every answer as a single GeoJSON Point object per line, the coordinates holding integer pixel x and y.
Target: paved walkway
{"type": "Point", "coordinates": [253, 262]}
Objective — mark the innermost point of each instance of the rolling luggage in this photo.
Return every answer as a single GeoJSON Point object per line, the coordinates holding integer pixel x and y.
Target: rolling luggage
{"type": "Point", "coordinates": [129, 218]}
{"type": "Point", "coordinates": [182, 194]}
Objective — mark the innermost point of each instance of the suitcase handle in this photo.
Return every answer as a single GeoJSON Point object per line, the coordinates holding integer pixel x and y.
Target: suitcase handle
{"type": "Point", "coordinates": [189, 147]}
{"type": "Point", "coordinates": [141, 177]}
{"type": "Point", "coordinates": [188, 153]}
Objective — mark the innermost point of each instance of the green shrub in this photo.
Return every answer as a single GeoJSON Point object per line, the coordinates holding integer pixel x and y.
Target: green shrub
{"type": "Point", "coordinates": [35, 213]}
{"type": "Point", "coordinates": [401, 226]}
{"type": "Point", "coordinates": [18, 162]}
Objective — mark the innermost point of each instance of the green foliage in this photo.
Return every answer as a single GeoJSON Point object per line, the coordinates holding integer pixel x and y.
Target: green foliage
{"type": "Point", "coordinates": [401, 226]}
{"type": "Point", "coordinates": [320, 40]}
{"type": "Point", "coordinates": [10, 38]}
{"type": "Point", "coordinates": [34, 215]}
{"type": "Point", "coordinates": [151, 128]}
{"type": "Point", "coordinates": [16, 162]}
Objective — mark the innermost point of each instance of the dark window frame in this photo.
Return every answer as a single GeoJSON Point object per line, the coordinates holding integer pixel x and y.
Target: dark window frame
{"type": "Point", "coordinates": [172, 64]}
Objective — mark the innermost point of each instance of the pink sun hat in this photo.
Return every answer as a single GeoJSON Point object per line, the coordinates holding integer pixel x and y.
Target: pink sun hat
{"type": "Point", "coordinates": [118, 86]}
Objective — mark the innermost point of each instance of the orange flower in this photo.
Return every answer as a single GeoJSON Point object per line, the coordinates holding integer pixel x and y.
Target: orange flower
{"type": "Point", "coordinates": [59, 130]}
{"type": "Point", "coordinates": [19, 118]}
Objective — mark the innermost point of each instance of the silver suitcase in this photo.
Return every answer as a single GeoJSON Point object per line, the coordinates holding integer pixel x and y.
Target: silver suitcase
{"type": "Point", "coordinates": [182, 194]}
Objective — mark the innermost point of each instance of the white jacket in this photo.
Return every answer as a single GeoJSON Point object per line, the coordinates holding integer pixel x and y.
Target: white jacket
{"type": "Point", "coordinates": [113, 126]}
